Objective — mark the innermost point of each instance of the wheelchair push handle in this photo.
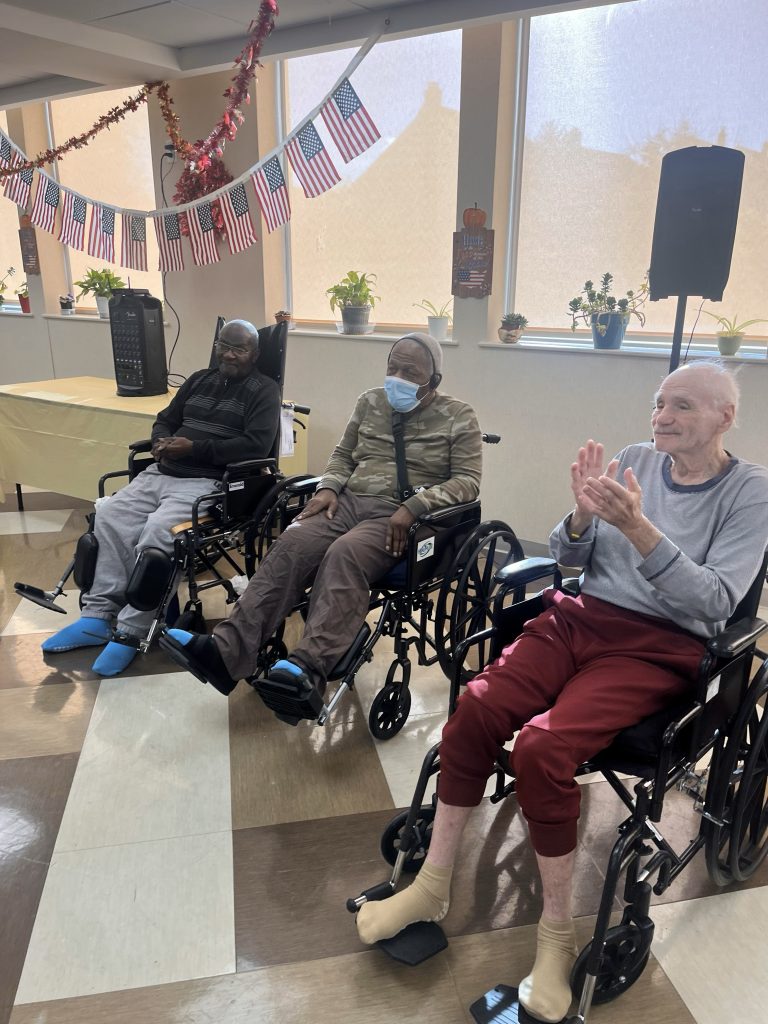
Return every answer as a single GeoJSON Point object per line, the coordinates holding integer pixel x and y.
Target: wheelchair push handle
{"type": "Point", "coordinates": [491, 438]}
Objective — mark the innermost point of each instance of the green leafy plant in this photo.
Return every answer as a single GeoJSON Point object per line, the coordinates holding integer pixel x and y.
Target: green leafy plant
{"type": "Point", "coordinates": [595, 301]}
{"type": "Point", "coordinates": [513, 322]}
{"type": "Point", "coordinates": [22, 291]}
{"type": "Point", "coordinates": [99, 282]}
{"type": "Point", "coordinates": [732, 328]}
{"type": "Point", "coordinates": [431, 310]}
{"type": "Point", "coordinates": [9, 273]}
{"type": "Point", "coordinates": [353, 290]}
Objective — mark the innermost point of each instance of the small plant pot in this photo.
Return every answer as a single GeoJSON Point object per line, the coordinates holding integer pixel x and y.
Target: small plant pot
{"type": "Point", "coordinates": [729, 344]}
{"type": "Point", "coordinates": [438, 327]}
{"type": "Point", "coordinates": [67, 309]}
{"type": "Point", "coordinates": [102, 304]}
{"type": "Point", "coordinates": [608, 330]}
{"type": "Point", "coordinates": [355, 320]}
{"type": "Point", "coordinates": [510, 335]}
{"type": "Point", "coordinates": [24, 303]}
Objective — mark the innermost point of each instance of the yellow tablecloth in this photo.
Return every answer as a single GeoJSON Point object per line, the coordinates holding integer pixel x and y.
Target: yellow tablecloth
{"type": "Point", "coordinates": [62, 435]}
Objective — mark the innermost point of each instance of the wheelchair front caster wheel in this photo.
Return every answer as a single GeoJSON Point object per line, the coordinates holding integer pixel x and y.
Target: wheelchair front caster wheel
{"type": "Point", "coordinates": [389, 711]}
{"type": "Point", "coordinates": [392, 839]}
{"type": "Point", "coordinates": [624, 958]}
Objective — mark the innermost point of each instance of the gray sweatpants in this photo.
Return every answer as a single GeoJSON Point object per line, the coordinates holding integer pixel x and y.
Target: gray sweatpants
{"type": "Point", "coordinates": [139, 516]}
{"type": "Point", "coordinates": [347, 555]}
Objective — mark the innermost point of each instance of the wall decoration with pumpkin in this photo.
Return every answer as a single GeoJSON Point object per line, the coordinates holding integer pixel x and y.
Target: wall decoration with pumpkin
{"type": "Point", "coordinates": [472, 256]}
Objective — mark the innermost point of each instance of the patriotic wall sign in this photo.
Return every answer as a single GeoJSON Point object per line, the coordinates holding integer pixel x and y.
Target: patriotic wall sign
{"type": "Point", "coordinates": [472, 262]}
{"type": "Point", "coordinates": [133, 253]}
{"type": "Point", "coordinates": [46, 203]}
{"type": "Point", "coordinates": [72, 230]}
{"type": "Point", "coordinates": [272, 193]}
{"type": "Point", "coordinates": [348, 122]}
{"type": "Point", "coordinates": [309, 159]}
{"type": "Point", "coordinates": [237, 219]}
{"type": "Point", "coordinates": [168, 233]}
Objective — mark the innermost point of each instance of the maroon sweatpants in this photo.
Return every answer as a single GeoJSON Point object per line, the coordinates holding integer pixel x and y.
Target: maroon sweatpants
{"type": "Point", "coordinates": [580, 672]}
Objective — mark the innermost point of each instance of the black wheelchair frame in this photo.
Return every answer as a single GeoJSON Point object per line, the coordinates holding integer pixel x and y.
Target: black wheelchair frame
{"type": "Point", "coordinates": [722, 719]}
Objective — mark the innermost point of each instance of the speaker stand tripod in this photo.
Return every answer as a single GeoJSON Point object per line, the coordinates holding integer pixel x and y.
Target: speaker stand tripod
{"type": "Point", "coordinates": [677, 334]}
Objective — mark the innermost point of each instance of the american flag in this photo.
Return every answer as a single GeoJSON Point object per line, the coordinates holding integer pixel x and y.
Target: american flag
{"type": "Point", "coordinates": [349, 122]}
{"type": "Point", "coordinates": [5, 150]}
{"type": "Point", "coordinates": [471, 276]}
{"type": "Point", "coordinates": [72, 228]}
{"type": "Point", "coordinates": [101, 237]}
{"type": "Point", "coordinates": [202, 236]}
{"type": "Point", "coordinates": [169, 241]}
{"type": "Point", "coordinates": [17, 186]}
{"type": "Point", "coordinates": [309, 159]}
{"type": "Point", "coordinates": [272, 193]}
{"type": "Point", "coordinates": [237, 218]}
{"type": "Point", "coordinates": [46, 202]}
{"type": "Point", "coordinates": [134, 249]}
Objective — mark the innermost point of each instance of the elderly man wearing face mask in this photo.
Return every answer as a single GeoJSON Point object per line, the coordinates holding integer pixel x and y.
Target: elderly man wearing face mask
{"type": "Point", "coordinates": [355, 527]}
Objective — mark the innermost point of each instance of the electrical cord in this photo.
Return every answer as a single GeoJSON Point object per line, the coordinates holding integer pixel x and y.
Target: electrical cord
{"type": "Point", "coordinates": [175, 380]}
{"type": "Point", "coordinates": [690, 336]}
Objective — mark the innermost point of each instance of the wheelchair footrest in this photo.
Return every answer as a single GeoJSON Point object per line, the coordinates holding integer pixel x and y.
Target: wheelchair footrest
{"type": "Point", "coordinates": [45, 598]}
{"type": "Point", "coordinates": [500, 1005]}
{"type": "Point", "coordinates": [416, 943]}
{"type": "Point", "coordinates": [292, 698]}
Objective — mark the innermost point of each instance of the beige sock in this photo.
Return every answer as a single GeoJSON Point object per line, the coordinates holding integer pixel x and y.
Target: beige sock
{"type": "Point", "coordinates": [425, 900]}
{"type": "Point", "coordinates": [546, 992]}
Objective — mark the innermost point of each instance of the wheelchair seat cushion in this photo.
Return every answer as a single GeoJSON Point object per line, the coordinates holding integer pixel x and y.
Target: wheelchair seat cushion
{"type": "Point", "coordinates": [635, 750]}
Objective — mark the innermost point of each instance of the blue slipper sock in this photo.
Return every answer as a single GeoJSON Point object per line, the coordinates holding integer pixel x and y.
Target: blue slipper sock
{"type": "Point", "coordinates": [114, 659]}
{"type": "Point", "coordinates": [201, 650]}
{"type": "Point", "coordinates": [289, 666]}
{"type": "Point", "coordinates": [86, 632]}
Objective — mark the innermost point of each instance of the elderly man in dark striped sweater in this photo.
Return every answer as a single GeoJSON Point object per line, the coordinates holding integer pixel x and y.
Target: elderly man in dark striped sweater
{"type": "Point", "coordinates": [217, 416]}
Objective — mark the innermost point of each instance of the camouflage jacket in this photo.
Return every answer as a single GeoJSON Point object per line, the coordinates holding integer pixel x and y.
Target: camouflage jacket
{"type": "Point", "coordinates": [443, 448]}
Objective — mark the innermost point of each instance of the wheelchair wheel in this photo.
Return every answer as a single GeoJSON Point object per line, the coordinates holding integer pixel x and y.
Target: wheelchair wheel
{"type": "Point", "coordinates": [624, 958]}
{"type": "Point", "coordinates": [391, 705]}
{"type": "Point", "coordinates": [391, 839]}
{"type": "Point", "coordinates": [465, 601]}
{"type": "Point", "coordinates": [736, 848]}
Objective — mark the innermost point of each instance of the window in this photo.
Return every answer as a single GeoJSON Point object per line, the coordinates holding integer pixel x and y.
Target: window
{"type": "Point", "coordinates": [393, 213]}
{"type": "Point", "coordinates": [610, 91]}
{"type": "Point", "coordinates": [10, 251]}
{"type": "Point", "coordinates": [115, 167]}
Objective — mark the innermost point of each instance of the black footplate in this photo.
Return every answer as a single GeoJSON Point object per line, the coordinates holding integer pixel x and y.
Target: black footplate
{"type": "Point", "coordinates": [500, 1005]}
{"type": "Point", "coordinates": [292, 698]}
{"type": "Point", "coordinates": [416, 943]}
{"type": "Point", "coordinates": [45, 598]}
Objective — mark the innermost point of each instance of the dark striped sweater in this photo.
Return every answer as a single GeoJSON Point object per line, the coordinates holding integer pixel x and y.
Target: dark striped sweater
{"type": "Point", "coordinates": [227, 421]}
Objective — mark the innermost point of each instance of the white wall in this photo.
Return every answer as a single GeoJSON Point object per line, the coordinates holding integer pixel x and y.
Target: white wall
{"type": "Point", "coordinates": [43, 347]}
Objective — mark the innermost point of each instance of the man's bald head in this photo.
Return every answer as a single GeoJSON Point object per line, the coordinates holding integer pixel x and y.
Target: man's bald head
{"type": "Point", "coordinates": [711, 379]}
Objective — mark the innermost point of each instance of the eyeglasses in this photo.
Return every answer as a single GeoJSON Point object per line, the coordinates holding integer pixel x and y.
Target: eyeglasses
{"type": "Point", "coordinates": [224, 346]}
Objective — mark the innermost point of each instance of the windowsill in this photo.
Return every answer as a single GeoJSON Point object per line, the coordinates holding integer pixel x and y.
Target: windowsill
{"type": "Point", "coordinates": [84, 318]}
{"type": "Point", "coordinates": [317, 332]}
{"type": "Point", "coordinates": [14, 312]}
{"type": "Point", "coordinates": [654, 346]}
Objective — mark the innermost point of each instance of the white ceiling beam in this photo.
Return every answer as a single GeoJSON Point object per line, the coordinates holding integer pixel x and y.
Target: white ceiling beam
{"type": "Point", "coordinates": [58, 86]}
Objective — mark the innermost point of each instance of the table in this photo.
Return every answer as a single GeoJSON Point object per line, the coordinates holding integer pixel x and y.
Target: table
{"type": "Point", "coordinates": [62, 435]}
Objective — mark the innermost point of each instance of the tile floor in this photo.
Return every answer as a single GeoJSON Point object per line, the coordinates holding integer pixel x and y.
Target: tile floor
{"type": "Point", "coordinates": [168, 856]}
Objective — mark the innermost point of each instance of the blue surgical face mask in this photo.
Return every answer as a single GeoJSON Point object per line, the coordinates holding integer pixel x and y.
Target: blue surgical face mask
{"type": "Point", "coordinates": [401, 394]}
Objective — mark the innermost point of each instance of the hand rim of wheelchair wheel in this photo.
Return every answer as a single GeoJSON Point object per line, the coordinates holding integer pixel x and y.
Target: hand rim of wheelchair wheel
{"type": "Point", "coordinates": [471, 591]}
{"type": "Point", "coordinates": [743, 759]}
{"type": "Point", "coordinates": [623, 961]}
{"type": "Point", "coordinates": [389, 710]}
{"type": "Point", "coordinates": [391, 835]}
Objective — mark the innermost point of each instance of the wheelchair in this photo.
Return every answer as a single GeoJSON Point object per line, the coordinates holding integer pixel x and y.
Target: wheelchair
{"type": "Point", "coordinates": [711, 745]}
{"type": "Point", "coordinates": [439, 593]}
{"type": "Point", "coordinates": [224, 527]}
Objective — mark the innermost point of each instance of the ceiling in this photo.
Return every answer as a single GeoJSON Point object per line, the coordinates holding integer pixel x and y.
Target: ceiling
{"type": "Point", "coordinates": [62, 47]}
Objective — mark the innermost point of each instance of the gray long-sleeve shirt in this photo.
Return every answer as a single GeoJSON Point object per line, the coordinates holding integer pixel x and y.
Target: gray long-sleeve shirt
{"type": "Point", "coordinates": [715, 535]}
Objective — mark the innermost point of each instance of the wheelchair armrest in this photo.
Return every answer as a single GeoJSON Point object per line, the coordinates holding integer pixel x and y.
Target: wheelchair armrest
{"type": "Point", "coordinates": [302, 484]}
{"type": "Point", "coordinates": [110, 476]}
{"type": "Point", "coordinates": [446, 516]}
{"type": "Point", "coordinates": [247, 467]}
{"type": "Point", "coordinates": [141, 446]}
{"type": "Point", "coordinates": [519, 574]}
{"type": "Point", "coordinates": [736, 638]}
{"type": "Point", "coordinates": [459, 657]}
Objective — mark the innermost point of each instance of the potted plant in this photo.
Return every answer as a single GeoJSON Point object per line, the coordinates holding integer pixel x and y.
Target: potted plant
{"type": "Point", "coordinates": [512, 326]}
{"type": "Point", "coordinates": [438, 318]}
{"type": "Point", "coordinates": [22, 294]}
{"type": "Point", "coordinates": [731, 333]}
{"type": "Point", "coordinates": [354, 297]}
{"type": "Point", "coordinates": [604, 313]}
{"type": "Point", "coordinates": [100, 284]}
{"type": "Point", "coordinates": [67, 304]}
{"type": "Point", "coordinates": [9, 273]}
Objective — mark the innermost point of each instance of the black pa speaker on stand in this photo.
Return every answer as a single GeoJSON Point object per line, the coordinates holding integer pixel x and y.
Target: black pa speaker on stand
{"type": "Point", "coordinates": [696, 214]}
{"type": "Point", "coordinates": [138, 342]}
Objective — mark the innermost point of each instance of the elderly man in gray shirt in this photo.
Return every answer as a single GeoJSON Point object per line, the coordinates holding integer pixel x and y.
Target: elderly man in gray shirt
{"type": "Point", "coordinates": [670, 537]}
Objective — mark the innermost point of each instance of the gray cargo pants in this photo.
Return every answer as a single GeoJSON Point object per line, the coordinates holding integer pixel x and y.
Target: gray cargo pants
{"type": "Point", "coordinates": [139, 516]}
{"type": "Point", "coordinates": [347, 553]}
